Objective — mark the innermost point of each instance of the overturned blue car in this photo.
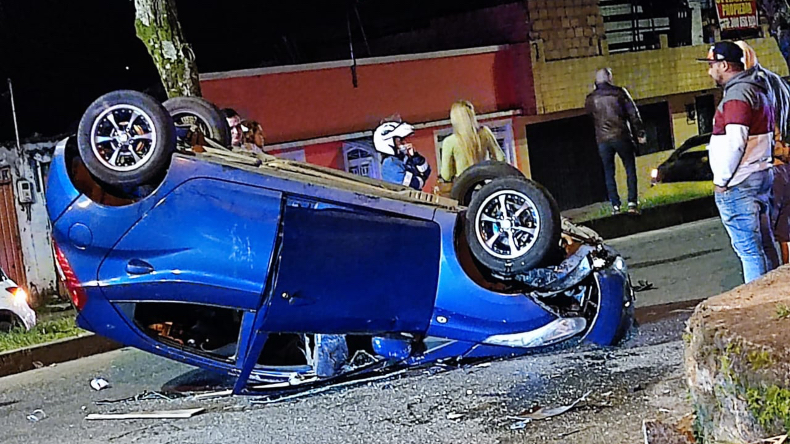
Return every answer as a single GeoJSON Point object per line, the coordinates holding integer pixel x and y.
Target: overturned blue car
{"type": "Point", "coordinates": [279, 272]}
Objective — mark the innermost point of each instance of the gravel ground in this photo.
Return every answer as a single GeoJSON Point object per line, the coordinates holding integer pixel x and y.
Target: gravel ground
{"type": "Point", "coordinates": [641, 380]}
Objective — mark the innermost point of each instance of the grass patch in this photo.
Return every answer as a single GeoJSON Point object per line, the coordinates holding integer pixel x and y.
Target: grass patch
{"type": "Point", "coordinates": [44, 331]}
{"type": "Point", "coordinates": [662, 194]}
{"type": "Point", "coordinates": [782, 311]}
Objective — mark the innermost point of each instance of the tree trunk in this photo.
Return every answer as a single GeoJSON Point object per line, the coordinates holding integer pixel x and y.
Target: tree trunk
{"type": "Point", "coordinates": [157, 26]}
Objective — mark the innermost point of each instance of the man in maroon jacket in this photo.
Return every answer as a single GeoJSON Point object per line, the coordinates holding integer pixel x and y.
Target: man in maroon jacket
{"type": "Point", "coordinates": [740, 153]}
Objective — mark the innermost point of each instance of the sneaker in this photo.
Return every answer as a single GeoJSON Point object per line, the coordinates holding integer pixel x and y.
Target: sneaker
{"type": "Point", "coordinates": [615, 209]}
{"type": "Point", "coordinates": [633, 208]}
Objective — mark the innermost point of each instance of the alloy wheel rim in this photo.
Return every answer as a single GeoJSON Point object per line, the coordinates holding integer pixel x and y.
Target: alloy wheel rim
{"type": "Point", "coordinates": [123, 138]}
{"type": "Point", "coordinates": [507, 224]}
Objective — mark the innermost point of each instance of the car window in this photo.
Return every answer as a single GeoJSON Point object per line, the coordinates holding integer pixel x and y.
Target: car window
{"type": "Point", "coordinates": [702, 147]}
{"type": "Point", "coordinates": [695, 143]}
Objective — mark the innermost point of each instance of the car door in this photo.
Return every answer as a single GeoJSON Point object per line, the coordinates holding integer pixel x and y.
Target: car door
{"type": "Point", "coordinates": [353, 270]}
{"type": "Point", "coordinates": [208, 242]}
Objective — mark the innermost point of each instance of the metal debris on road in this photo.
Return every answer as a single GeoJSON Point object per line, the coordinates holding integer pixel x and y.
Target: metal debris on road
{"type": "Point", "coordinates": [36, 416]}
{"type": "Point", "coordinates": [543, 413]}
{"type": "Point", "coordinates": [99, 384]}
{"type": "Point", "coordinates": [159, 414]}
{"type": "Point", "coordinates": [145, 396]}
{"type": "Point", "coordinates": [273, 399]}
{"type": "Point", "coordinates": [210, 395]}
{"type": "Point", "coordinates": [643, 285]}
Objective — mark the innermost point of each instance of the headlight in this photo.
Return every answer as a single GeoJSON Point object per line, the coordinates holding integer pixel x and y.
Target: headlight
{"type": "Point", "coordinates": [619, 263]}
{"type": "Point", "coordinates": [19, 295]}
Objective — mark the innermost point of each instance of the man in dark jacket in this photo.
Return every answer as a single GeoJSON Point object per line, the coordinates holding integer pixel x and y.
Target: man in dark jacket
{"type": "Point", "coordinates": [617, 120]}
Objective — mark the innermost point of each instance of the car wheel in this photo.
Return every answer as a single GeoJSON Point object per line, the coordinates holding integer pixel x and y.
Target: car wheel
{"type": "Point", "coordinates": [126, 138]}
{"type": "Point", "coordinates": [470, 181]}
{"type": "Point", "coordinates": [8, 323]}
{"type": "Point", "coordinates": [511, 225]}
{"type": "Point", "coordinates": [197, 114]}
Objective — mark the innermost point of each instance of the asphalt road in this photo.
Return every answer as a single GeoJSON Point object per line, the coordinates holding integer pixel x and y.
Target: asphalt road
{"type": "Point", "coordinates": [641, 379]}
{"type": "Point", "coordinates": [686, 262]}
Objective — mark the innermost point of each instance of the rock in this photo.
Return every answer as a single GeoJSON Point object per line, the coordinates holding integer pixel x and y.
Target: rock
{"type": "Point", "coordinates": [737, 361]}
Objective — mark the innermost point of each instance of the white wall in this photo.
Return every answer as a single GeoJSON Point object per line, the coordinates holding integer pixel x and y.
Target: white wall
{"type": "Point", "coordinates": [34, 227]}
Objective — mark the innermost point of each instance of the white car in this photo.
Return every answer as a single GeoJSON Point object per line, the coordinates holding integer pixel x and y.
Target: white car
{"type": "Point", "coordinates": [14, 308]}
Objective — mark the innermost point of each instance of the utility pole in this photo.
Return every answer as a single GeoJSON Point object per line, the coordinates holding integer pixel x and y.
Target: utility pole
{"type": "Point", "coordinates": [13, 112]}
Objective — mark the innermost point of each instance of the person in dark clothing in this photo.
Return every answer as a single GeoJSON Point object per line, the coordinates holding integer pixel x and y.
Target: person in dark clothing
{"type": "Point", "coordinates": [617, 121]}
{"type": "Point", "coordinates": [401, 163]}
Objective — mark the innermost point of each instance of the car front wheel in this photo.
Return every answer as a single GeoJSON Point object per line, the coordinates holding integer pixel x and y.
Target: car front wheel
{"type": "Point", "coordinates": [511, 225]}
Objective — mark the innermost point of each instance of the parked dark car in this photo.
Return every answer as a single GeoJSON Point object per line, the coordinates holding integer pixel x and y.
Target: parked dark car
{"type": "Point", "coordinates": [688, 163]}
{"type": "Point", "coordinates": [267, 269]}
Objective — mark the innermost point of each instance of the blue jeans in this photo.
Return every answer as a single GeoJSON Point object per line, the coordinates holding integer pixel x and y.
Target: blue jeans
{"type": "Point", "coordinates": [745, 211]}
{"type": "Point", "coordinates": [624, 149]}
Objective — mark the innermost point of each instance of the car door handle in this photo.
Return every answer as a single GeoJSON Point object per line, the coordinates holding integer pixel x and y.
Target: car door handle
{"type": "Point", "coordinates": [137, 266]}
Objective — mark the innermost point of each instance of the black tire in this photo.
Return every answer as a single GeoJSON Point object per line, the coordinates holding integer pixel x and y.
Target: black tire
{"type": "Point", "coordinates": [117, 122]}
{"type": "Point", "coordinates": [528, 205]}
{"type": "Point", "coordinates": [470, 181]}
{"type": "Point", "coordinates": [205, 115]}
{"type": "Point", "coordinates": [8, 322]}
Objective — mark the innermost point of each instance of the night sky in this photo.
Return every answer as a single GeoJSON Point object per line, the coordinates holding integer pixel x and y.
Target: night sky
{"type": "Point", "coordinates": [61, 55]}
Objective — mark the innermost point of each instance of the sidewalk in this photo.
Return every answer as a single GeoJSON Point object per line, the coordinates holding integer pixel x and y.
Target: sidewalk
{"type": "Point", "coordinates": [653, 218]}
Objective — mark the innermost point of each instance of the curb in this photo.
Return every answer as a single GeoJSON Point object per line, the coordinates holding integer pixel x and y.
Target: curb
{"type": "Point", "coordinates": [62, 350]}
{"type": "Point", "coordinates": [654, 218]}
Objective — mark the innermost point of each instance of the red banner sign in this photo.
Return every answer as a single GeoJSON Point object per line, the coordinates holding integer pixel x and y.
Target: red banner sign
{"type": "Point", "coordinates": [737, 14]}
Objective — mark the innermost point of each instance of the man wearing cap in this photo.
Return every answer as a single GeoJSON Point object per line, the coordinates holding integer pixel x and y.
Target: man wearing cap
{"type": "Point", "coordinates": [740, 153]}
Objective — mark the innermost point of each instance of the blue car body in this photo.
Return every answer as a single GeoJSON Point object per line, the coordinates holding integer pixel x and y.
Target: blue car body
{"type": "Point", "coordinates": [288, 248]}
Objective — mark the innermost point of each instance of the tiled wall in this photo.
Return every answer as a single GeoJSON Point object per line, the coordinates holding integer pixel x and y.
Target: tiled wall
{"type": "Point", "coordinates": [563, 84]}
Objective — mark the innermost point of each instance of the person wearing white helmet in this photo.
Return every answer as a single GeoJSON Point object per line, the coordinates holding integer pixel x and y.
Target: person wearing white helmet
{"type": "Point", "coordinates": [401, 164]}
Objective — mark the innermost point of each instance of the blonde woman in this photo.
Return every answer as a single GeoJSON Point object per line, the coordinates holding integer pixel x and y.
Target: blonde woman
{"type": "Point", "coordinates": [469, 144]}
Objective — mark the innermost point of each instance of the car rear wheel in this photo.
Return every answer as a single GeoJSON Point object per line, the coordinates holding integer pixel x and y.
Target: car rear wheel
{"type": "Point", "coordinates": [511, 225]}
{"type": "Point", "coordinates": [471, 180]}
{"type": "Point", "coordinates": [126, 138]}
{"type": "Point", "coordinates": [193, 115]}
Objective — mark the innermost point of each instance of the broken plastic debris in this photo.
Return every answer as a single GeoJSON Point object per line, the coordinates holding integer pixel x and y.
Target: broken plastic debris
{"type": "Point", "coordinates": [454, 415]}
{"type": "Point", "coordinates": [36, 416]}
{"type": "Point", "coordinates": [38, 364]}
{"type": "Point", "coordinates": [273, 399]}
{"type": "Point", "coordinates": [217, 394]}
{"type": "Point", "coordinates": [160, 414]}
{"type": "Point", "coordinates": [543, 413]}
{"type": "Point", "coordinates": [643, 285]}
{"type": "Point", "coordinates": [144, 396]}
{"type": "Point", "coordinates": [99, 384]}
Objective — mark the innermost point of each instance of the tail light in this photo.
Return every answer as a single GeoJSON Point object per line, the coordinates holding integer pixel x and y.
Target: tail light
{"type": "Point", "coordinates": [77, 293]}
